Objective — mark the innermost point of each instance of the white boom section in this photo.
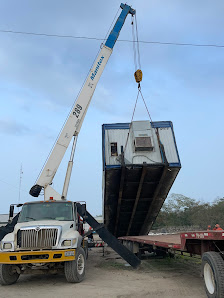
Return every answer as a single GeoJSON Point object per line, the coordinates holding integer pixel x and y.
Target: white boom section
{"type": "Point", "coordinates": [75, 119]}
{"type": "Point", "coordinates": [69, 170]}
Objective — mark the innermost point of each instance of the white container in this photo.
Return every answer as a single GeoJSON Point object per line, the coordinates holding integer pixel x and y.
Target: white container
{"type": "Point", "coordinates": [140, 164]}
{"type": "Point", "coordinates": [136, 134]}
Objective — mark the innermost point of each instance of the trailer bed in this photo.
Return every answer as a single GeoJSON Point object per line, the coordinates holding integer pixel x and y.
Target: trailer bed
{"type": "Point", "coordinates": [166, 240]}
{"type": "Point", "coordinates": [195, 242]}
{"type": "Point", "coordinates": [207, 244]}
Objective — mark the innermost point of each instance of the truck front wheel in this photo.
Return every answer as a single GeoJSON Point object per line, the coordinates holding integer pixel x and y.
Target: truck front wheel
{"type": "Point", "coordinates": [213, 272]}
{"type": "Point", "coordinates": [8, 275]}
{"type": "Point", "coordinates": [75, 270]}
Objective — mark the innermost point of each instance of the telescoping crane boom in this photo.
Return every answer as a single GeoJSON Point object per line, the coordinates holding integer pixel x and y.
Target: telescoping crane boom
{"type": "Point", "coordinates": [50, 232]}
{"type": "Point", "coordinates": [77, 115]}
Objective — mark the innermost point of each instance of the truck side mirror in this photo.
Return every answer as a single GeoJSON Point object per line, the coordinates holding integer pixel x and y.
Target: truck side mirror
{"type": "Point", "coordinates": [11, 211]}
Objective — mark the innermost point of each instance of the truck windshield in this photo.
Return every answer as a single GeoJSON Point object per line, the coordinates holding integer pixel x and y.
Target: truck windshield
{"type": "Point", "coordinates": [46, 211]}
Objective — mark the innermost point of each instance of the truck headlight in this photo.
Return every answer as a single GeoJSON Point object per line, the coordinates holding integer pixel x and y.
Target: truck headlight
{"type": "Point", "coordinates": [67, 243]}
{"type": "Point", "coordinates": [7, 246]}
{"type": "Point", "coordinates": [70, 242]}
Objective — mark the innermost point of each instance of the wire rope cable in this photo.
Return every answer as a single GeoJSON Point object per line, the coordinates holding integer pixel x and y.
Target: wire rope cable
{"type": "Point", "coordinates": [137, 63]}
{"type": "Point", "coordinates": [119, 40]}
{"type": "Point", "coordinates": [133, 113]}
{"type": "Point", "coordinates": [136, 29]}
{"type": "Point", "coordinates": [145, 104]}
{"type": "Point", "coordinates": [134, 44]}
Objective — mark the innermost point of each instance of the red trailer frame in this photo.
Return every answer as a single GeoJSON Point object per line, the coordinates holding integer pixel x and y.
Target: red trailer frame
{"type": "Point", "coordinates": [208, 244]}
{"type": "Point", "coordinates": [193, 242]}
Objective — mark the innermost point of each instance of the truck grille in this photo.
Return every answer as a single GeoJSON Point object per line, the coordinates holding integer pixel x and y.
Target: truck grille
{"type": "Point", "coordinates": [37, 238]}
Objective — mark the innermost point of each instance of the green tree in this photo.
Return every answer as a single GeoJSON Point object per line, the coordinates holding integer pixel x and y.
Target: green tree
{"type": "Point", "coordinates": [179, 210]}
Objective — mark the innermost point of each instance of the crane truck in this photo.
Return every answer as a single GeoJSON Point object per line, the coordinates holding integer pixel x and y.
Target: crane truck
{"type": "Point", "coordinates": [48, 235]}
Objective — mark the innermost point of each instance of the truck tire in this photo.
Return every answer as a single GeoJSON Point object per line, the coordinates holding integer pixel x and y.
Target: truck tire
{"type": "Point", "coordinates": [7, 275]}
{"type": "Point", "coordinates": [213, 273]}
{"type": "Point", "coordinates": [75, 270]}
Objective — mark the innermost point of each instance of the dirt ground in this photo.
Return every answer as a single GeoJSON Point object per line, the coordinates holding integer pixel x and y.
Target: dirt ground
{"type": "Point", "coordinates": [109, 276]}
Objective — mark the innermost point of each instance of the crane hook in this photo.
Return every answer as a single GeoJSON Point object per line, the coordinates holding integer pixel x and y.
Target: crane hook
{"type": "Point", "coordinates": [138, 77]}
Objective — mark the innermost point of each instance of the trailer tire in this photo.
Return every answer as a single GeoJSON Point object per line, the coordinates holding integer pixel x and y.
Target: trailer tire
{"type": "Point", "coordinates": [213, 273]}
{"type": "Point", "coordinates": [75, 270]}
{"type": "Point", "coordinates": [7, 275]}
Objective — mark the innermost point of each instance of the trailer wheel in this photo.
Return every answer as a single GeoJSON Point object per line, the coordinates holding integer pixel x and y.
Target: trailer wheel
{"type": "Point", "coordinates": [8, 275]}
{"type": "Point", "coordinates": [75, 270]}
{"type": "Point", "coordinates": [213, 272]}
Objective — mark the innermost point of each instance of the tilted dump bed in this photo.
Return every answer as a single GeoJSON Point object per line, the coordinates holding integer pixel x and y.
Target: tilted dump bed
{"type": "Point", "coordinates": [140, 164]}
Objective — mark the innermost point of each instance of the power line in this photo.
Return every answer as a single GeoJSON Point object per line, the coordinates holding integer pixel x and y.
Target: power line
{"type": "Point", "coordinates": [120, 40]}
{"type": "Point", "coordinates": [51, 35]}
{"type": "Point", "coordinates": [13, 186]}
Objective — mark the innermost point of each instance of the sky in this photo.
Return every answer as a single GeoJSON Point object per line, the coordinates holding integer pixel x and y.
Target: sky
{"type": "Point", "coordinates": [41, 76]}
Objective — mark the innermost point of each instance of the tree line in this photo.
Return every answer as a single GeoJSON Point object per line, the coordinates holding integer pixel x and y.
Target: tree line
{"type": "Point", "coordinates": [181, 211]}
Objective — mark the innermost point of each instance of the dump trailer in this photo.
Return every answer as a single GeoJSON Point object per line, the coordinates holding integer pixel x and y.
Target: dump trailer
{"type": "Point", "coordinates": [208, 244]}
{"type": "Point", "coordinates": [140, 164]}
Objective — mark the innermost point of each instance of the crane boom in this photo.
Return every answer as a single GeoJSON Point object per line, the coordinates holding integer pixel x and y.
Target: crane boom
{"type": "Point", "coordinates": [76, 117]}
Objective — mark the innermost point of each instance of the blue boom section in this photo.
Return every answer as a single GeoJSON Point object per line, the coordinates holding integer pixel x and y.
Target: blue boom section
{"type": "Point", "coordinates": [126, 9]}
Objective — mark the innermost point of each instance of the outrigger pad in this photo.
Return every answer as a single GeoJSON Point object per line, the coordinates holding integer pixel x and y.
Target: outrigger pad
{"type": "Point", "coordinates": [35, 190]}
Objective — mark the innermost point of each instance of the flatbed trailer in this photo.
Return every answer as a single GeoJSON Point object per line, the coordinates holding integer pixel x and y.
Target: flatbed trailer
{"type": "Point", "coordinates": [208, 244]}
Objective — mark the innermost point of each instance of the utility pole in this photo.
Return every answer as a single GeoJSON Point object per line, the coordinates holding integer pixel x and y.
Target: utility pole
{"type": "Point", "coordinates": [20, 181]}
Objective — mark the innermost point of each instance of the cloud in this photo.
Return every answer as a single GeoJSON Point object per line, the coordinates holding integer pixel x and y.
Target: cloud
{"type": "Point", "coordinates": [41, 76]}
{"type": "Point", "coordinates": [54, 69]}
{"type": "Point", "coordinates": [11, 127]}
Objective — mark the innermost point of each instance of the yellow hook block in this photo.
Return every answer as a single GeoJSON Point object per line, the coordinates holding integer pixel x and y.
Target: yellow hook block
{"type": "Point", "coordinates": [138, 76]}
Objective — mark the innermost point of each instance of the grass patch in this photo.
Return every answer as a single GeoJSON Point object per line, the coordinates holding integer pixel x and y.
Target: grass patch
{"type": "Point", "coordinates": [188, 259]}
{"type": "Point", "coordinates": [179, 263]}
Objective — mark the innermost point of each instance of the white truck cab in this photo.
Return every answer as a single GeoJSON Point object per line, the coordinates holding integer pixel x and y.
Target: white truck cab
{"type": "Point", "coordinates": [45, 225]}
{"type": "Point", "coordinates": [47, 236]}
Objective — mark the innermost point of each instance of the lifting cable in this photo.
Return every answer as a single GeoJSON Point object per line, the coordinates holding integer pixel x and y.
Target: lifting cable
{"type": "Point", "coordinates": [131, 121]}
{"type": "Point", "coordinates": [138, 79]}
{"type": "Point", "coordinates": [138, 72]}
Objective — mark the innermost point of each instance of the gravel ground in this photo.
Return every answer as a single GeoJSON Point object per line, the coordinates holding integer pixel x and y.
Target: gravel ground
{"type": "Point", "coordinates": [109, 276]}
